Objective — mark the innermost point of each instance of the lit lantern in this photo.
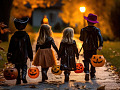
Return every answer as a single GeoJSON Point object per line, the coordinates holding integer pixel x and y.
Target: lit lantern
{"type": "Point", "coordinates": [79, 68]}
{"type": "Point", "coordinates": [33, 72]}
{"type": "Point", "coordinates": [56, 70]}
{"type": "Point", "coordinates": [97, 60]}
{"type": "Point", "coordinates": [45, 20]}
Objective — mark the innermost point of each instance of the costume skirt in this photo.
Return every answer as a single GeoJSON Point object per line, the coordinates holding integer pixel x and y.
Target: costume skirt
{"type": "Point", "coordinates": [44, 58]}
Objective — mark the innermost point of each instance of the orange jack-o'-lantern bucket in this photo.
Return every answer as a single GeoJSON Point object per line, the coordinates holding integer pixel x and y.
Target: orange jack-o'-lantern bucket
{"type": "Point", "coordinates": [56, 70]}
{"type": "Point", "coordinates": [79, 68]}
{"type": "Point", "coordinates": [97, 60]}
{"type": "Point", "coordinates": [33, 72]}
{"type": "Point", "coordinates": [10, 72]}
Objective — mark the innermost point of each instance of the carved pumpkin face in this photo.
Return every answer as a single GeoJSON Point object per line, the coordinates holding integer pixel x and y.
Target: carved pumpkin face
{"type": "Point", "coordinates": [56, 70]}
{"type": "Point", "coordinates": [97, 60]}
{"type": "Point", "coordinates": [10, 73]}
{"type": "Point", "coordinates": [79, 68]}
{"type": "Point", "coordinates": [33, 72]}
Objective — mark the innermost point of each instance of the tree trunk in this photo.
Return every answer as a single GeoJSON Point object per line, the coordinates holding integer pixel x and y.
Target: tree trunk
{"type": "Point", "coordinates": [5, 8]}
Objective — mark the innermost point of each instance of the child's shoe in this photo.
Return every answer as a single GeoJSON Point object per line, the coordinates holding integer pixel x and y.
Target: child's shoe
{"type": "Point", "coordinates": [24, 81]}
{"type": "Point", "coordinates": [18, 82]}
{"type": "Point", "coordinates": [66, 77]}
{"type": "Point", "coordinates": [93, 78]}
{"type": "Point", "coordinates": [86, 77]}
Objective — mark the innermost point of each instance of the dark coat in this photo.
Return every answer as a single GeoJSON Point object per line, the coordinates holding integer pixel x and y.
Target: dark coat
{"type": "Point", "coordinates": [48, 42]}
{"type": "Point", "coordinates": [25, 47]}
{"type": "Point", "coordinates": [67, 54]}
{"type": "Point", "coordinates": [93, 32]}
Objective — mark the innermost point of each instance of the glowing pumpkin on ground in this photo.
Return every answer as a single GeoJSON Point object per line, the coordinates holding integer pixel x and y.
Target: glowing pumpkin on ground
{"type": "Point", "coordinates": [97, 60]}
{"type": "Point", "coordinates": [10, 73]}
{"type": "Point", "coordinates": [33, 72]}
{"type": "Point", "coordinates": [56, 70]}
{"type": "Point", "coordinates": [79, 68]}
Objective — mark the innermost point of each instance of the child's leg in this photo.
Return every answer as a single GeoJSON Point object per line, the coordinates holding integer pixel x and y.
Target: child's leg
{"type": "Point", "coordinates": [66, 73]}
{"type": "Point", "coordinates": [92, 73]}
{"type": "Point", "coordinates": [86, 66]}
{"type": "Point", "coordinates": [18, 77]}
{"type": "Point", "coordinates": [44, 73]}
{"type": "Point", "coordinates": [86, 69]}
{"type": "Point", "coordinates": [87, 55]}
{"type": "Point", "coordinates": [24, 72]}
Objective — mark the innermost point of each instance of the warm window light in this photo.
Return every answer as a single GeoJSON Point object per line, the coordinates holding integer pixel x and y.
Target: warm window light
{"type": "Point", "coordinates": [82, 9]}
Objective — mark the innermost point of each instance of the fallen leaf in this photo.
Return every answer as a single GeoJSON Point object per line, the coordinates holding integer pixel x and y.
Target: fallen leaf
{"type": "Point", "coordinates": [110, 48]}
{"type": "Point", "coordinates": [3, 84]}
{"type": "Point", "coordinates": [72, 80]}
{"type": "Point", "coordinates": [112, 56]}
{"type": "Point", "coordinates": [32, 86]}
{"type": "Point", "coordinates": [55, 82]}
{"type": "Point", "coordinates": [113, 72]}
{"type": "Point", "coordinates": [77, 86]}
{"type": "Point", "coordinates": [49, 89]}
{"type": "Point", "coordinates": [110, 74]}
{"type": "Point", "coordinates": [117, 81]}
{"type": "Point", "coordinates": [83, 87]}
{"type": "Point", "coordinates": [101, 88]}
{"type": "Point", "coordinates": [57, 86]}
{"type": "Point", "coordinates": [113, 51]}
{"type": "Point", "coordinates": [57, 77]}
{"type": "Point", "coordinates": [66, 88]}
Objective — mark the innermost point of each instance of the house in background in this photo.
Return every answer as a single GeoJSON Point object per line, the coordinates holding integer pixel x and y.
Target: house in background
{"type": "Point", "coordinates": [51, 13]}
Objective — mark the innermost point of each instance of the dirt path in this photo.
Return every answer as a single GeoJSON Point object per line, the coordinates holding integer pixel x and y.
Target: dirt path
{"type": "Point", "coordinates": [105, 77]}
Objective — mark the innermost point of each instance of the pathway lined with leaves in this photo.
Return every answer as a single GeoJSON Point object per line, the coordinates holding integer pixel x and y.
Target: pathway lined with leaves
{"type": "Point", "coordinates": [105, 78]}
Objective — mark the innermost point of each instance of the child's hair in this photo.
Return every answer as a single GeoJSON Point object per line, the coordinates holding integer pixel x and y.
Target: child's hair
{"type": "Point", "coordinates": [68, 35]}
{"type": "Point", "coordinates": [44, 32]}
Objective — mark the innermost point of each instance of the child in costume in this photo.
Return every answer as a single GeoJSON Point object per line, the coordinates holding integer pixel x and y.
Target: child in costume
{"type": "Point", "coordinates": [44, 54]}
{"type": "Point", "coordinates": [67, 52]}
{"type": "Point", "coordinates": [20, 49]}
{"type": "Point", "coordinates": [90, 36]}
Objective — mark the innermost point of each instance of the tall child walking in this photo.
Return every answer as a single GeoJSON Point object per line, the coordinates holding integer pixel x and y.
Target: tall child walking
{"type": "Point", "coordinates": [20, 49]}
{"type": "Point", "coordinates": [45, 55]}
{"type": "Point", "coordinates": [90, 36]}
{"type": "Point", "coordinates": [67, 52]}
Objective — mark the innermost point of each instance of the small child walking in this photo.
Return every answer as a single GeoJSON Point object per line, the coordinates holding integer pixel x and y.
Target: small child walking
{"type": "Point", "coordinates": [67, 52]}
{"type": "Point", "coordinates": [44, 54]}
{"type": "Point", "coordinates": [20, 49]}
{"type": "Point", "coordinates": [90, 36]}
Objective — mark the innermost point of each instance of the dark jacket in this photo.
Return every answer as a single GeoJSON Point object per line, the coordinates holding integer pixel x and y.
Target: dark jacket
{"type": "Point", "coordinates": [20, 47]}
{"type": "Point", "coordinates": [67, 54]}
{"type": "Point", "coordinates": [48, 42]}
{"type": "Point", "coordinates": [90, 36]}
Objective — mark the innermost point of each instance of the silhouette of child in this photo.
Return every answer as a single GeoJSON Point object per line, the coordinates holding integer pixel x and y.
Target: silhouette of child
{"type": "Point", "coordinates": [90, 35]}
{"type": "Point", "coordinates": [20, 49]}
{"type": "Point", "coordinates": [67, 52]}
{"type": "Point", "coordinates": [45, 56]}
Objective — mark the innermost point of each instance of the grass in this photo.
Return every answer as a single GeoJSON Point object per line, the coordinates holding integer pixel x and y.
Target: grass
{"type": "Point", "coordinates": [5, 45]}
{"type": "Point", "coordinates": [3, 53]}
{"type": "Point", "coordinates": [111, 52]}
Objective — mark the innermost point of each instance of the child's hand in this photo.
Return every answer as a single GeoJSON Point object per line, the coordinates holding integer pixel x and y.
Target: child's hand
{"type": "Point", "coordinates": [31, 60]}
{"type": "Point", "coordinates": [78, 58]}
{"type": "Point", "coordinates": [100, 48]}
{"type": "Point", "coordinates": [58, 59]}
